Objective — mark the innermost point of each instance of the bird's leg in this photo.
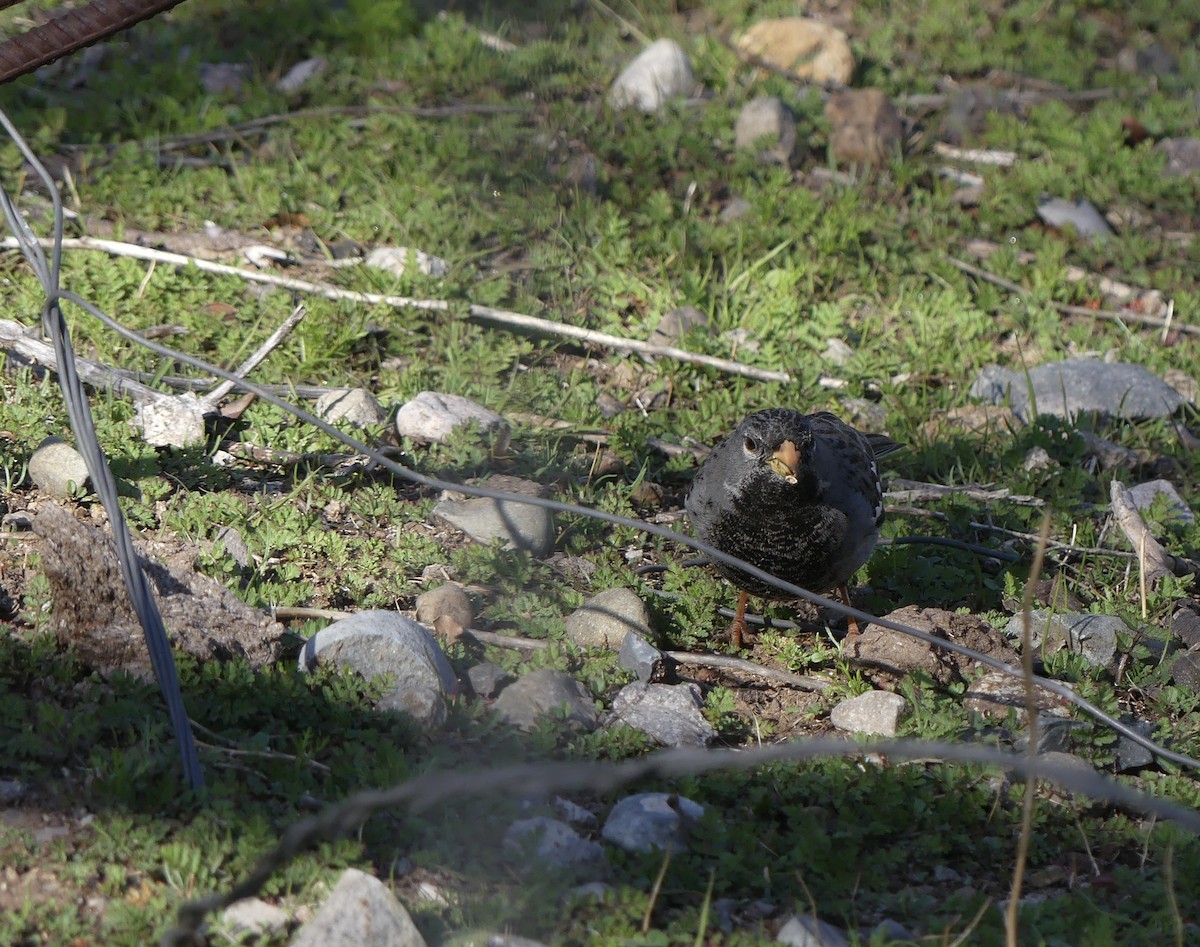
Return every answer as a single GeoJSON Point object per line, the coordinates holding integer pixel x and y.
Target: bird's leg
{"type": "Point", "coordinates": [737, 630]}
{"type": "Point", "coordinates": [852, 629]}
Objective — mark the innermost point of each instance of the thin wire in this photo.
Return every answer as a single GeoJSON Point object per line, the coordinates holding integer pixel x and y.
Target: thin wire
{"type": "Point", "coordinates": [655, 529]}
{"type": "Point", "coordinates": [598, 777]}
{"type": "Point", "coordinates": [55, 326]}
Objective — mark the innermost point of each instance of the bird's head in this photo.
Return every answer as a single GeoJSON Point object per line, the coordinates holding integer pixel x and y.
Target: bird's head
{"type": "Point", "coordinates": [778, 443]}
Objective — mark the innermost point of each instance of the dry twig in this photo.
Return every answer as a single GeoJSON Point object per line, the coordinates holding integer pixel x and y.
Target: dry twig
{"type": "Point", "coordinates": [1158, 562]}
{"type": "Point", "coordinates": [484, 314]}
{"type": "Point", "coordinates": [1114, 315]}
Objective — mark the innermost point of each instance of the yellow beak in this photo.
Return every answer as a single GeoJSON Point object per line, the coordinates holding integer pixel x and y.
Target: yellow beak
{"type": "Point", "coordinates": [785, 461]}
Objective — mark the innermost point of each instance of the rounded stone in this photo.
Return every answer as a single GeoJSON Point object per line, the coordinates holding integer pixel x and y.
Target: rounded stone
{"type": "Point", "coordinates": [387, 644]}
{"type": "Point", "coordinates": [57, 468]}
{"type": "Point", "coordinates": [658, 73]}
{"type": "Point", "coordinates": [446, 601]}
{"type": "Point", "coordinates": [605, 619]}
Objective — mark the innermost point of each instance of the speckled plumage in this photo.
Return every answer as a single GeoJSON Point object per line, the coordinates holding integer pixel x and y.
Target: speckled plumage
{"type": "Point", "coordinates": [816, 531]}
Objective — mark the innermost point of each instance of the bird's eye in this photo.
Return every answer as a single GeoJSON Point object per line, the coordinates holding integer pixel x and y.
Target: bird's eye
{"type": "Point", "coordinates": [750, 444]}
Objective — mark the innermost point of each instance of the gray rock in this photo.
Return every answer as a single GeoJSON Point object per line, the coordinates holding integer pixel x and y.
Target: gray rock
{"type": "Point", "coordinates": [1185, 625]}
{"type": "Point", "coordinates": [379, 643]}
{"type": "Point", "coordinates": [1086, 220]}
{"type": "Point", "coordinates": [605, 619]}
{"type": "Point", "coordinates": [1038, 458]}
{"type": "Point", "coordinates": [1080, 386]}
{"type": "Point", "coordinates": [235, 547]}
{"type": "Point", "coordinates": [996, 693]}
{"type": "Point", "coordinates": [361, 911]}
{"type": "Point", "coordinates": [658, 73]}
{"type": "Point", "coordinates": [487, 679]}
{"type": "Point", "coordinates": [736, 209]}
{"type": "Point", "coordinates": [1065, 761]}
{"type": "Point", "coordinates": [1093, 636]}
{"type": "Point", "coordinates": [546, 693]}
{"type": "Point", "coordinates": [1185, 669]}
{"type": "Point", "coordinates": [651, 820]}
{"type": "Point", "coordinates": [517, 525]}
{"type": "Point", "coordinates": [251, 916]}
{"type": "Point", "coordinates": [220, 78]}
{"type": "Point", "coordinates": [431, 416]}
{"type": "Point", "coordinates": [674, 326]}
{"type": "Point", "coordinates": [172, 420]}
{"type": "Point", "coordinates": [837, 352]}
{"type": "Point", "coordinates": [1183, 156]}
{"type": "Point", "coordinates": [640, 656]}
{"type": "Point", "coordinates": [1109, 455]}
{"type": "Point", "coordinates": [11, 790]}
{"type": "Point", "coordinates": [1143, 495]}
{"type": "Point", "coordinates": [1130, 754]}
{"type": "Point", "coordinates": [356, 405]}
{"type": "Point", "coordinates": [670, 714]}
{"type": "Point", "coordinates": [1053, 731]}
{"type": "Point", "coordinates": [57, 468]}
{"type": "Point", "coordinates": [568, 811]}
{"type": "Point", "coordinates": [449, 601]}
{"type": "Point", "coordinates": [592, 891]}
{"type": "Point", "coordinates": [876, 713]}
{"type": "Point", "coordinates": [549, 843]}
{"type": "Point", "coordinates": [804, 930]}
{"type": "Point", "coordinates": [890, 932]}
{"type": "Point", "coordinates": [768, 123]}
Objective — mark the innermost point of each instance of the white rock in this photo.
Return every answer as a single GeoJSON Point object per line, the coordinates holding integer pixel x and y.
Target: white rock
{"type": "Point", "coordinates": [57, 468]}
{"type": "Point", "coordinates": [356, 405]}
{"type": "Point", "coordinates": [361, 911]}
{"type": "Point", "coordinates": [172, 420]}
{"type": "Point", "coordinates": [301, 73]}
{"type": "Point", "coordinates": [804, 930]}
{"type": "Point", "coordinates": [659, 72]}
{"type": "Point", "coordinates": [252, 916]}
{"type": "Point", "coordinates": [876, 713]}
{"type": "Point", "coordinates": [395, 260]}
{"type": "Point", "coordinates": [431, 416]}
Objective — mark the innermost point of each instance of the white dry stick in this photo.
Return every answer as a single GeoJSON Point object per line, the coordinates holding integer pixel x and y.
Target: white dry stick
{"type": "Point", "coordinates": [26, 343]}
{"type": "Point", "coordinates": [1158, 562]}
{"type": "Point", "coordinates": [273, 341]}
{"type": "Point", "coordinates": [1003, 159]}
{"type": "Point", "coordinates": [479, 313]}
{"type": "Point", "coordinates": [918, 491]}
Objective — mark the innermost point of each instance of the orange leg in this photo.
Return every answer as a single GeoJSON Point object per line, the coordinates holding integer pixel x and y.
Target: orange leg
{"type": "Point", "coordinates": [852, 629]}
{"type": "Point", "coordinates": [737, 630]}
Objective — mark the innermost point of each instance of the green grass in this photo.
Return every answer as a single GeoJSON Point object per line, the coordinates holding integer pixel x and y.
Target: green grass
{"type": "Point", "coordinates": [929, 846]}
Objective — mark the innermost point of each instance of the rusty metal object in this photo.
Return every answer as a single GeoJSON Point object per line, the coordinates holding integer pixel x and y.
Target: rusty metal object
{"type": "Point", "coordinates": [70, 31]}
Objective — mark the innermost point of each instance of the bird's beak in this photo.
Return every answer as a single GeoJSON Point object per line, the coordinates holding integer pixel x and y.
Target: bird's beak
{"type": "Point", "coordinates": [785, 461]}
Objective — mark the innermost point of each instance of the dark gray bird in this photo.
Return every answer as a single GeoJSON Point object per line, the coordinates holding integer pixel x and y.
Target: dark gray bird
{"type": "Point", "coordinates": [797, 495]}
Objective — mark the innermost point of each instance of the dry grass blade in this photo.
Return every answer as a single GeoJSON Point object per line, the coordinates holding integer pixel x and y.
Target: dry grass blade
{"type": "Point", "coordinates": [1031, 727]}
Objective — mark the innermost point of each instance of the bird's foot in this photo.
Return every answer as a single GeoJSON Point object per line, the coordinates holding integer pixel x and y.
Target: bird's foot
{"type": "Point", "coordinates": [738, 631]}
